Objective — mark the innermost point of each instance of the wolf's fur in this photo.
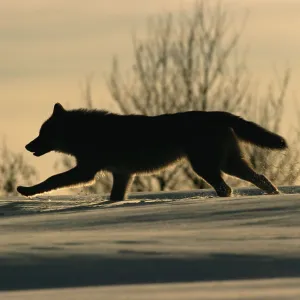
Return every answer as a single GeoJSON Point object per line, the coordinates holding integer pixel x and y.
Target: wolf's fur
{"type": "Point", "coordinates": [134, 144]}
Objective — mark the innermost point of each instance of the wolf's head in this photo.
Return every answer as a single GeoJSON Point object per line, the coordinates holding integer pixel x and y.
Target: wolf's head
{"type": "Point", "coordinates": [50, 133]}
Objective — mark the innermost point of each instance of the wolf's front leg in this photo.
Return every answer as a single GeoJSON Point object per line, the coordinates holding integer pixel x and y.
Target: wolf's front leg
{"type": "Point", "coordinates": [71, 177]}
{"type": "Point", "coordinates": [121, 183]}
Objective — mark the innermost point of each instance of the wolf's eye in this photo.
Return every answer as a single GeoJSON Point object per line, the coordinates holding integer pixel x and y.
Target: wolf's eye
{"type": "Point", "coordinates": [43, 130]}
{"type": "Point", "coordinates": [48, 128]}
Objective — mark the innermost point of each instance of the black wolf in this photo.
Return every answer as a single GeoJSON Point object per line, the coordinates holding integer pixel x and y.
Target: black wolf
{"type": "Point", "coordinates": [126, 145]}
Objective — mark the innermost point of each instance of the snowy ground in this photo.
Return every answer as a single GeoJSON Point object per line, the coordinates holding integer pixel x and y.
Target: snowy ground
{"type": "Point", "coordinates": [181, 245]}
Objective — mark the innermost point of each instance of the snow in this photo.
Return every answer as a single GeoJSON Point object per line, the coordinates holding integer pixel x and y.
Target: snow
{"type": "Point", "coordinates": [168, 245]}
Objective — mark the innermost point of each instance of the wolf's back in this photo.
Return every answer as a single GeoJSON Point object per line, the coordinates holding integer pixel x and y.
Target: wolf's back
{"type": "Point", "coordinates": [251, 132]}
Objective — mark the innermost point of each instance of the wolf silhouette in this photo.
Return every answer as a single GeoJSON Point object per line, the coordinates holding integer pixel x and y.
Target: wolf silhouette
{"type": "Point", "coordinates": [126, 145]}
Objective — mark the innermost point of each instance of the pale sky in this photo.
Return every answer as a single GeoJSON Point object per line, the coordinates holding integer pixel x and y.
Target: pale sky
{"type": "Point", "coordinates": [48, 48]}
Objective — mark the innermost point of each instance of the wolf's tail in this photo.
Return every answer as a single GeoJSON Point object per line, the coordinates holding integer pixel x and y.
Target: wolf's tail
{"type": "Point", "coordinates": [253, 133]}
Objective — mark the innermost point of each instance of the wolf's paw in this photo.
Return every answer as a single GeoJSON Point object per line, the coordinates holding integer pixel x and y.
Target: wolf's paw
{"type": "Point", "coordinates": [277, 192]}
{"type": "Point", "coordinates": [25, 191]}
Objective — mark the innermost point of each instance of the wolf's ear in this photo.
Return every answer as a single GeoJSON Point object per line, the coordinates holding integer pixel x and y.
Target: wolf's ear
{"type": "Point", "coordinates": [58, 109]}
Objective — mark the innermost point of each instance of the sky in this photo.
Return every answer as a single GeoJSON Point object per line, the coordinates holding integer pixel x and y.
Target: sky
{"type": "Point", "coordinates": [48, 48]}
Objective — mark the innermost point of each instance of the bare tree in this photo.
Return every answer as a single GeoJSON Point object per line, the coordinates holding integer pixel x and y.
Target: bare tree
{"type": "Point", "coordinates": [192, 61]}
{"type": "Point", "coordinates": [13, 171]}
{"type": "Point", "coordinates": [185, 63]}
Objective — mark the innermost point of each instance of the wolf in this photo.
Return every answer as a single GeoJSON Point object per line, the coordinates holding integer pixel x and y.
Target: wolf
{"type": "Point", "coordinates": [126, 145]}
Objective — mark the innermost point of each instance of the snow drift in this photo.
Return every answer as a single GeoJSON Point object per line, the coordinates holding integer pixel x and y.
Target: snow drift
{"type": "Point", "coordinates": [169, 245]}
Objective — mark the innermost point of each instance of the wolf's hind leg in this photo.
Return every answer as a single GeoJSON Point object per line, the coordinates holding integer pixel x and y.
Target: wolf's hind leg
{"type": "Point", "coordinates": [217, 182]}
{"type": "Point", "coordinates": [121, 184]}
{"type": "Point", "coordinates": [207, 165]}
{"type": "Point", "coordinates": [238, 167]}
{"type": "Point", "coordinates": [213, 176]}
{"type": "Point", "coordinates": [69, 178]}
